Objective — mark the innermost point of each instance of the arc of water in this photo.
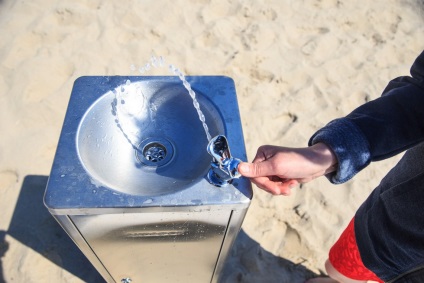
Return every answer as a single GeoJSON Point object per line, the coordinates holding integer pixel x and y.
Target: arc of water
{"type": "Point", "coordinates": [192, 94]}
{"type": "Point", "coordinates": [160, 62]}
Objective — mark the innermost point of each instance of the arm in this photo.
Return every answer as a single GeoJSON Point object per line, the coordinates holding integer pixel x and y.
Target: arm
{"type": "Point", "coordinates": [378, 129]}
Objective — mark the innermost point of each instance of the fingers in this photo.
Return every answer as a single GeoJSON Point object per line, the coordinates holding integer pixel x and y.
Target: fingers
{"type": "Point", "coordinates": [256, 169]}
{"type": "Point", "coordinates": [244, 169]}
{"type": "Point", "coordinates": [263, 163]}
{"type": "Point", "coordinates": [258, 174]}
{"type": "Point", "coordinates": [269, 171]}
{"type": "Point", "coordinates": [280, 187]}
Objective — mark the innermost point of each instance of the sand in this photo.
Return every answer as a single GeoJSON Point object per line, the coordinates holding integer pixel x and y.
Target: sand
{"type": "Point", "coordinates": [296, 65]}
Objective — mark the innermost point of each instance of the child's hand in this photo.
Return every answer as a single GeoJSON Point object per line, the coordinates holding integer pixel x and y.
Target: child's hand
{"type": "Point", "coordinates": [278, 169]}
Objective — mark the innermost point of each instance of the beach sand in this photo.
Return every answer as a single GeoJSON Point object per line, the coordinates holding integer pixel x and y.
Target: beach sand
{"type": "Point", "coordinates": [296, 65]}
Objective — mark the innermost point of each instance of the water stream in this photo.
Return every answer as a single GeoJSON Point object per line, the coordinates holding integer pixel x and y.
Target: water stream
{"type": "Point", "coordinates": [129, 100]}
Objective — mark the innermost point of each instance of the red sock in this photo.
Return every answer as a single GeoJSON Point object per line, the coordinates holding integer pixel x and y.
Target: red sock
{"type": "Point", "coordinates": [344, 256]}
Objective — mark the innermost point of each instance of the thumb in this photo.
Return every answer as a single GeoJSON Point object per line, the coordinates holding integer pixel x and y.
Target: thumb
{"type": "Point", "coordinates": [253, 169]}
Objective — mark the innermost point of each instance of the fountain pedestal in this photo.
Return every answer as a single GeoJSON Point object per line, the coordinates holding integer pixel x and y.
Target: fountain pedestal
{"type": "Point", "coordinates": [131, 191]}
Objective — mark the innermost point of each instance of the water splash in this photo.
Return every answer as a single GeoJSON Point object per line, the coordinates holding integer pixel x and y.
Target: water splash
{"type": "Point", "coordinates": [127, 107]}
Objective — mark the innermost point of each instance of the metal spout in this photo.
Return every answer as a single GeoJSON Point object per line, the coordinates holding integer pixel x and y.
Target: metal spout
{"type": "Point", "coordinates": [223, 166]}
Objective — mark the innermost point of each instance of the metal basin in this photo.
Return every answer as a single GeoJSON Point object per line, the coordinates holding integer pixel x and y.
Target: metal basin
{"type": "Point", "coordinates": [142, 145]}
{"type": "Point", "coordinates": [145, 138]}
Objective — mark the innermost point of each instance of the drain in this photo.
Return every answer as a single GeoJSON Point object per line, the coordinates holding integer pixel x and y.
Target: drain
{"type": "Point", "coordinates": [154, 152]}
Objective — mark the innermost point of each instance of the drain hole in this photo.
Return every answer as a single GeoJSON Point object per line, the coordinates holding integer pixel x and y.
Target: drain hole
{"type": "Point", "coordinates": [154, 152]}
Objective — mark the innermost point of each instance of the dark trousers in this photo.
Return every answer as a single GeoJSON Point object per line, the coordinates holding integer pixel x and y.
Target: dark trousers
{"type": "Point", "coordinates": [416, 276]}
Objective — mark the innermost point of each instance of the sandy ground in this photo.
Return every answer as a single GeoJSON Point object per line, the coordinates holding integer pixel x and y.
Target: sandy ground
{"type": "Point", "coordinates": [296, 65]}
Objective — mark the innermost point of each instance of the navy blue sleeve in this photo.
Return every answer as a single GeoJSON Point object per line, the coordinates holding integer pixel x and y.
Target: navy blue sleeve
{"type": "Point", "coordinates": [380, 128]}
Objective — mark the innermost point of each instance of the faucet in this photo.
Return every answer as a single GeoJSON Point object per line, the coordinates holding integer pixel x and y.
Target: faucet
{"type": "Point", "coordinates": [223, 166]}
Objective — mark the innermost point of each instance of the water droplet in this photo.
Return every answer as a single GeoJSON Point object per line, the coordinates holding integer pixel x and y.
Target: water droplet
{"type": "Point", "coordinates": [147, 201]}
{"type": "Point", "coordinates": [154, 61]}
{"type": "Point", "coordinates": [161, 61]}
{"type": "Point", "coordinates": [63, 175]}
{"type": "Point", "coordinates": [153, 107]}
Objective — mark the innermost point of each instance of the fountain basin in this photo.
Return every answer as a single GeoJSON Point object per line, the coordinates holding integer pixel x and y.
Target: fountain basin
{"type": "Point", "coordinates": [101, 155]}
{"type": "Point", "coordinates": [145, 138]}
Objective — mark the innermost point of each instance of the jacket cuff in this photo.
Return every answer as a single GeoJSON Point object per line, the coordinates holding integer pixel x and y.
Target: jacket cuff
{"type": "Point", "coordinates": [348, 144]}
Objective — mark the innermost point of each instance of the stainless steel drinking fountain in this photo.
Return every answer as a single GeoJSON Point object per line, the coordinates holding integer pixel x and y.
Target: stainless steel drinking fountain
{"type": "Point", "coordinates": [132, 181]}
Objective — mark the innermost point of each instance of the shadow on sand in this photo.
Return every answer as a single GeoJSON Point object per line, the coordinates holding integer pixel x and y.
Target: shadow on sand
{"type": "Point", "coordinates": [4, 246]}
{"type": "Point", "coordinates": [248, 262]}
{"type": "Point", "coordinates": [33, 226]}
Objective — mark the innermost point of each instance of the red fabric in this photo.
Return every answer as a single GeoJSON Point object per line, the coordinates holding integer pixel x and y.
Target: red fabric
{"type": "Point", "coordinates": [345, 258]}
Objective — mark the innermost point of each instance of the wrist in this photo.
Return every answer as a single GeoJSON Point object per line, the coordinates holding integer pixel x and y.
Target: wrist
{"type": "Point", "coordinates": [325, 157]}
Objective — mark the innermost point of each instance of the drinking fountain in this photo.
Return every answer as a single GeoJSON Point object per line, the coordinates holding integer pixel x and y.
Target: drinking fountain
{"type": "Point", "coordinates": [138, 186]}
